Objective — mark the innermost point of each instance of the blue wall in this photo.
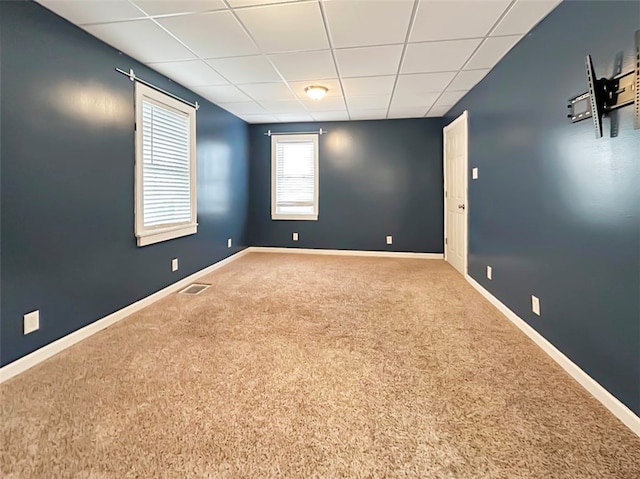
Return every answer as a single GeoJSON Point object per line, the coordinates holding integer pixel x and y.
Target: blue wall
{"type": "Point", "coordinates": [377, 178]}
{"type": "Point", "coordinates": [555, 211]}
{"type": "Point", "coordinates": [68, 245]}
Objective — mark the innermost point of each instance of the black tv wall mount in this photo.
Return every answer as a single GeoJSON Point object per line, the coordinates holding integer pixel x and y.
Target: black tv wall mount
{"type": "Point", "coordinates": [608, 94]}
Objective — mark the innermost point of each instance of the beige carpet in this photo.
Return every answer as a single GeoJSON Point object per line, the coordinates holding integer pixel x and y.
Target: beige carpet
{"type": "Point", "coordinates": [299, 366]}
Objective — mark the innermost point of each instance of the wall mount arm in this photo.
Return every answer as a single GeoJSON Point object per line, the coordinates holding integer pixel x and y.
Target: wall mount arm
{"type": "Point", "coordinates": [607, 94]}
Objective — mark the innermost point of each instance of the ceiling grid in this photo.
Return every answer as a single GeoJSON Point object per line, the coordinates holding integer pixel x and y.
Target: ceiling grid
{"type": "Point", "coordinates": [378, 58]}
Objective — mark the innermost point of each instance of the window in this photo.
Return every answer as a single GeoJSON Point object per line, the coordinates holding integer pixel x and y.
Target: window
{"type": "Point", "coordinates": [165, 186]}
{"type": "Point", "coordinates": [294, 177]}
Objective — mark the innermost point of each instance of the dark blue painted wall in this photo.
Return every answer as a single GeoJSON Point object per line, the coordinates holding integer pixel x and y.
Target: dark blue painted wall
{"type": "Point", "coordinates": [555, 211]}
{"type": "Point", "coordinates": [377, 178]}
{"type": "Point", "coordinates": [67, 156]}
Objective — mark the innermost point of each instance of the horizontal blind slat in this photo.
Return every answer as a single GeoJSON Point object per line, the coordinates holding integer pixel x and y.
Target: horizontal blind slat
{"type": "Point", "coordinates": [295, 177]}
{"type": "Point", "coordinates": [166, 166]}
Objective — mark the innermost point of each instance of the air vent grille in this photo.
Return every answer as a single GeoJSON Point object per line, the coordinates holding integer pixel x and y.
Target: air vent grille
{"type": "Point", "coordinates": [195, 288]}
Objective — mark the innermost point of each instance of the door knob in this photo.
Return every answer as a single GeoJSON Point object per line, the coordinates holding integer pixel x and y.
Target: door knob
{"type": "Point", "coordinates": [461, 207]}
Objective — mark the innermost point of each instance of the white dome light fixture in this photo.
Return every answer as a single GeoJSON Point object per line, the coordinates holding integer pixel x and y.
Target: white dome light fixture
{"type": "Point", "coordinates": [316, 92]}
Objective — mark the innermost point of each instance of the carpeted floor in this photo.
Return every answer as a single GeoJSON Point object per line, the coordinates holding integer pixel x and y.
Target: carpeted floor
{"type": "Point", "coordinates": [296, 366]}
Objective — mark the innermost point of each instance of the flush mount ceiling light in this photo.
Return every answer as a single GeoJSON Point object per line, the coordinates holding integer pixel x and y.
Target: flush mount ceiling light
{"type": "Point", "coordinates": [316, 92]}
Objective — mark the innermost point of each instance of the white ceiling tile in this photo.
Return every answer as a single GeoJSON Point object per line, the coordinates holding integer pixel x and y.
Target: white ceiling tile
{"type": "Point", "coordinates": [190, 73]}
{"type": "Point", "coordinates": [523, 16]}
{"type": "Point", "coordinates": [333, 87]}
{"type": "Point", "coordinates": [211, 35]}
{"type": "Point", "coordinates": [284, 106]}
{"type": "Point", "coordinates": [243, 108]}
{"type": "Point", "coordinates": [286, 27]}
{"type": "Point", "coordinates": [326, 104]}
{"type": "Point", "coordinates": [359, 23]}
{"type": "Point", "coordinates": [407, 112]}
{"type": "Point", "coordinates": [259, 118]}
{"type": "Point", "coordinates": [222, 94]}
{"type": "Point", "coordinates": [340, 115]}
{"type": "Point", "coordinates": [378, 114]}
{"type": "Point", "coordinates": [451, 97]}
{"type": "Point", "coordinates": [367, 102]}
{"type": "Point", "coordinates": [369, 61]}
{"type": "Point", "coordinates": [247, 3]}
{"type": "Point", "coordinates": [291, 117]}
{"type": "Point", "coordinates": [467, 79]}
{"type": "Point", "coordinates": [423, 82]}
{"type": "Point", "coordinates": [252, 69]}
{"type": "Point", "coordinates": [438, 56]}
{"type": "Point", "coordinates": [142, 39]}
{"type": "Point", "coordinates": [414, 100]}
{"type": "Point", "coordinates": [267, 91]}
{"type": "Point", "coordinates": [437, 111]}
{"type": "Point", "coordinates": [305, 66]}
{"type": "Point", "coordinates": [491, 51]}
{"type": "Point", "coordinates": [168, 7]}
{"type": "Point", "coordinates": [93, 11]}
{"type": "Point", "coordinates": [440, 20]}
{"type": "Point", "coordinates": [367, 86]}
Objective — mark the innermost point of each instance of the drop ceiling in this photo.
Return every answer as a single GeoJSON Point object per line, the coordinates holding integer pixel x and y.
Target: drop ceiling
{"type": "Point", "coordinates": [378, 58]}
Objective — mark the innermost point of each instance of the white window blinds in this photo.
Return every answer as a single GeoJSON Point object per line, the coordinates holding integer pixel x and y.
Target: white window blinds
{"type": "Point", "coordinates": [295, 177]}
{"type": "Point", "coordinates": [166, 169]}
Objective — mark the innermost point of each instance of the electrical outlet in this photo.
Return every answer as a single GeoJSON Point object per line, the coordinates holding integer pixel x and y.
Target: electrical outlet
{"type": "Point", "coordinates": [31, 322]}
{"type": "Point", "coordinates": [535, 305]}
{"type": "Point", "coordinates": [389, 239]}
{"type": "Point", "coordinates": [489, 272]}
{"type": "Point", "coordinates": [474, 173]}
{"type": "Point", "coordinates": [174, 264]}
{"type": "Point", "coordinates": [295, 236]}
{"type": "Point", "coordinates": [229, 243]}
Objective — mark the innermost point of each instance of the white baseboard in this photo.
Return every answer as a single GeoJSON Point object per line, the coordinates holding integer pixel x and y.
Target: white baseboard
{"type": "Point", "coordinates": [45, 352]}
{"type": "Point", "coordinates": [608, 400]}
{"type": "Point", "coordinates": [347, 252]}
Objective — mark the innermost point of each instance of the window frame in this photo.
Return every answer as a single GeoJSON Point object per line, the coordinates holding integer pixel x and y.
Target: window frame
{"type": "Point", "coordinates": [316, 174]}
{"type": "Point", "coordinates": [147, 235]}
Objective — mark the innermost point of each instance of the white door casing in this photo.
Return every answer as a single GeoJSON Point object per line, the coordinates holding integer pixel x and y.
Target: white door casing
{"type": "Point", "coordinates": [456, 209]}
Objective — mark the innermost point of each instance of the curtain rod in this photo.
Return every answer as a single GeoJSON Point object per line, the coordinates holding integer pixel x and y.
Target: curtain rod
{"type": "Point", "coordinates": [132, 76]}
{"type": "Point", "coordinates": [319, 132]}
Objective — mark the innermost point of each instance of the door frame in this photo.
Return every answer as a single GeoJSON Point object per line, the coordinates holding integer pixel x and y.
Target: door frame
{"type": "Point", "coordinates": [464, 118]}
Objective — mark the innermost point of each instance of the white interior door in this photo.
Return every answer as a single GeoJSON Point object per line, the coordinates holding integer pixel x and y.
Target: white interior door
{"type": "Point", "coordinates": [455, 189]}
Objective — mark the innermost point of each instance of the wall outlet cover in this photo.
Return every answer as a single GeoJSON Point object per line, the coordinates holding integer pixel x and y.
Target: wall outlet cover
{"type": "Point", "coordinates": [174, 264]}
{"type": "Point", "coordinates": [389, 239]}
{"type": "Point", "coordinates": [295, 236]}
{"type": "Point", "coordinates": [474, 173]}
{"type": "Point", "coordinates": [535, 305]}
{"type": "Point", "coordinates": [31, 322]}
{"type": "Point", "coordinates": [229, 243]}
{"type": "Point", "coordinates": [489, 272]}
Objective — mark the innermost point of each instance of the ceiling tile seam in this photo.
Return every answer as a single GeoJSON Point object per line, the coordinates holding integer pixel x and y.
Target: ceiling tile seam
{"type": "Point", "coordinates": [246, 55]}
{"type": "Point", "coordinates": [506, 12]}
{"type": "Point", "coordinates": [149, 16]}
{"type": "Point", "coordinates": [274, 81]}
{"type": "Point", "coordinates": [270, 4]}
{"type": "Point", "coordinates": [325, 21]}
{"type": "Point", "coordinates": [113, 22]}
{"type": "Point", "coordinates": [447, 40]}
{"type": "Point", "coordinates": [180, 14]}
{"type": "Point", "coordinates": [497, 22]}
{"type": "Point", "coordinates": [246, 30]}
{"type": "Point", "coordinates": [207, 64]}
{"type": "Point", "coordinates": [412, 21]}
{"type": "Point", "coordinates": [201, 59]}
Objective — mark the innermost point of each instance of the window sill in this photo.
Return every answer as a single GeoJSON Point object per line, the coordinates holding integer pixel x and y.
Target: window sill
{"type": "Point", "coordinates": [166, 234]}
{"type": "Point", "coordinates": [295, 217]}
